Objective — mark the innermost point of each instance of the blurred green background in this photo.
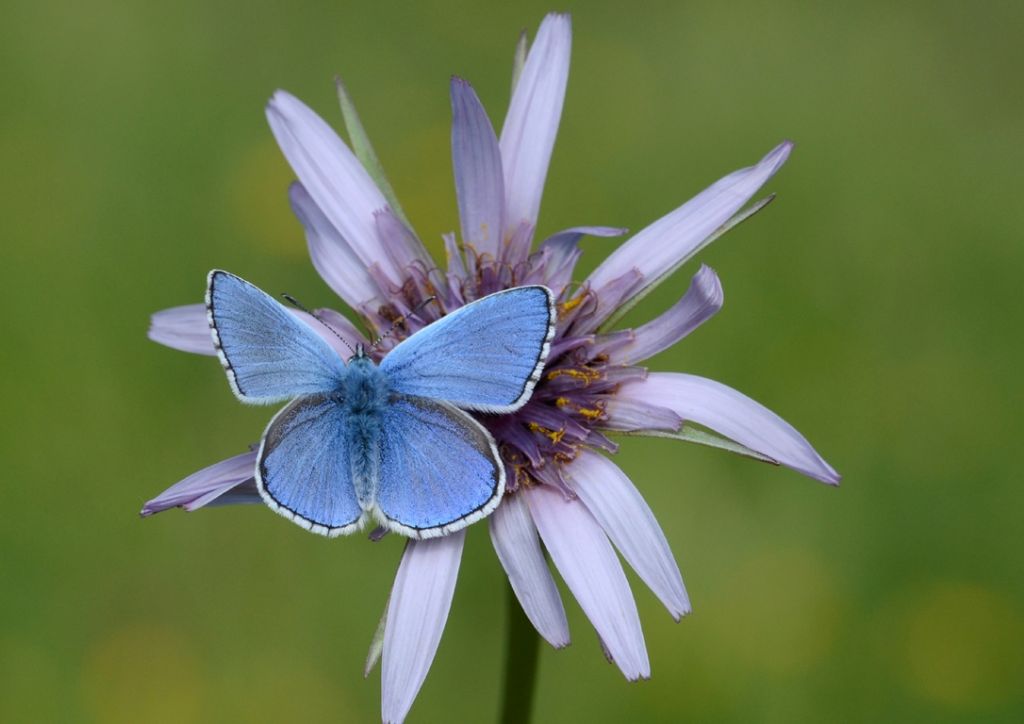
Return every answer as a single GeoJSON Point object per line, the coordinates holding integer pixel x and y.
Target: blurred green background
{"type": "Point", "coordinates": [875, 306]}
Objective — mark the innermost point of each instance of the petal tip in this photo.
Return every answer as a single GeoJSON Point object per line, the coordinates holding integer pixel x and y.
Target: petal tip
{"type": "Point", "coordinates": [564, 19]}
{"type": "Point", "coordinates": [273, 105]}
{"type": "Point", "coordinates": [680, 614]}
{"type": "Point", "coordinates": [779, 155]}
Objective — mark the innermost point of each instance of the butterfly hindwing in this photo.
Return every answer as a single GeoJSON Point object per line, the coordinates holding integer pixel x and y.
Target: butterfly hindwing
{"type": "Point", "coordinates": [439, 468]}
{"type": "Point", "coordinates": [268, 354]}
{"type": "Point", "coordinates": [485, 356]}
{"type": "Point", "coordinates": [304, 471]}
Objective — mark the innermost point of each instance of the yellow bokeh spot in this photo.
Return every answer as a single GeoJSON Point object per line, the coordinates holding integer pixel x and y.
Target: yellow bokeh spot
{"type": "Point", "coordinates": [143, 672]}
{"type": "Point", "coordinates": [961, 645]}
{"type": "Point", "coordinates": [257, 200]}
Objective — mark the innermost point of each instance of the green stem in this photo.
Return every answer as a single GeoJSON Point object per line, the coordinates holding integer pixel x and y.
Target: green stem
{"type": "Point", "coordinates": [521, 649]}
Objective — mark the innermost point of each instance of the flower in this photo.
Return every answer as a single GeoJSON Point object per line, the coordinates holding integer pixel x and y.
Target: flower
{"type": "Point", "coordinates": [564, 494]}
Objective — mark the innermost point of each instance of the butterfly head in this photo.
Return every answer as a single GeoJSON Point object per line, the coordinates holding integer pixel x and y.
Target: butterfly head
{"type": "Point", "coordinates": [359, 354]}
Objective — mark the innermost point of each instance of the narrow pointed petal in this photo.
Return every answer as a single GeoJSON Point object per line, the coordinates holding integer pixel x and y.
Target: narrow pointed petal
{"type": "Point", "coordinates": [627, 519]}
{"type": "Point", "coordinates": [734, 415]}
{"type": "Point", "coordinates": [608, 298]}
{"type": "Point", "coordinates": [453, 255]}
{"type": "Point", "coordinates": [330, 172]}
{"type": "Point", "coordinates": [570, 237]}
{"type": "Point", "coordinates": [417, 612]}
{"type": "Point", "coordinates": [592, 571]}
{"type": "Point", "coordinates": [701, 302]}
{"type": "Point", "coordinates": [662, 247]}
{"type": "Point", "coordinates": [187, 329]}
{"type": "Point", "coordinates": [476, 160]}
{"type": "Point", "coordinates": [528, 135]}
{"type": "Point", "coordinates": [517, 247]}
{"type": "Point", "coordinates": [245, 493]}
{"type": "Point", "coordinates": [564, 251]}
{"type": "Point", "coordinates": [205, 486]}
{"type": "Point", "coordinates": [184, 328]}
{"type": "Point", "coordinates": [515, 541]}
{"type": "Point", "coordinates": [345, 329]}
{"type": "Point", "coordinates": [344, 337]}
{"type": "Point", "coordinates": [336, 261]}
{"type": "Point", "coordinates": [399, 242]}
{"type": "Point", "coordinates": [627, 414]}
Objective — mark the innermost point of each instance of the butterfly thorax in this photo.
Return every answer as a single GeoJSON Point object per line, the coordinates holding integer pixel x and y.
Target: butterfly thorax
{"type": "Point", "coordinates": [365, 388]}
{"type": "Point", "coordinates": [364, 395]}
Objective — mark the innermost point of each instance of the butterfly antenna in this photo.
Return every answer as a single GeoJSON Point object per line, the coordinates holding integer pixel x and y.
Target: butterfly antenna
{"type": "Point", "coordinates": [295, 303]}
{"type": "Point", "coordinates": [401, 319]}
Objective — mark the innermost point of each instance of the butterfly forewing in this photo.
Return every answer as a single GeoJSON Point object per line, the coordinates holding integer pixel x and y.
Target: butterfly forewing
{"type": "Point", "coordinates": [268, 354]}
{"type": "Point", "coordinates": [304, 468]}
{"type": "Point", "coordinates": [439, 471]}
{"type": "Point", "coordinates": [486, 356]}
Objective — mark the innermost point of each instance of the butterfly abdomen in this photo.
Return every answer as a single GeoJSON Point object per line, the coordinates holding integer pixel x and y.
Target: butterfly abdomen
{"type": "Point", "coordinates": [365, 394]}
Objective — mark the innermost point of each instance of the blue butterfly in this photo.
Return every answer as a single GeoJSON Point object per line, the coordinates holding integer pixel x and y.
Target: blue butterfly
{"type": "Point", "coordinates": [391, 443]}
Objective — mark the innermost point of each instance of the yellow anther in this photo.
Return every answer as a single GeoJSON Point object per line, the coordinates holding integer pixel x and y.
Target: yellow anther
{"type": "Point", "coordinates": [584, 374]}
{"type": "Point", "coordinates": [572, 303]}
{"type": "Point", "coordinates": [554, 435]}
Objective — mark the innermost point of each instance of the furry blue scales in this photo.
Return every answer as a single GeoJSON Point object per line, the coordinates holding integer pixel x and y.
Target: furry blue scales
{"type": "Point", "coordinates": [389, 443]}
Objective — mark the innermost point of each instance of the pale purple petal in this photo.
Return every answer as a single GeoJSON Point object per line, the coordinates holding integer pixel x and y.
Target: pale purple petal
{"type": "Point", "coordinates": [570, 237]}
{"type": "Point", "coordinates": [565, 344]}
{"type": "Point", "coordinates": [611, 296]}
{"type": "Point", "coordinates": [340, 324]}
{"type": "Point", "coordinates": [336, 261]}
{"type": "Point", "coordinates": [589, 566]}
{"type": "Point", "coordinates": [627, 519]}
{"type": "Point", "coordinates": [342, 340]}
{"type": "Point", "coordinates": [734, 415]}
{"type": "Point", "coordinates": [330, 172]}
{"type": "Point", "coordinates": [515, 541]}
{"type": "Point", "coordinates": [207, 485]}
{"type": "Point", "coordinates": [528, 135]}
{"type": "Point", "coordinates": [184, 328]}
{"type": "Point", "coordinates": [417, 611]}
{"type": "Point", "coordinates": [608, 298]}
{"type": "Point", "coordinates": [563, 252]}
{"type": "Point", "coordinates": [187, 328]}
{"type": "Point", "coordinates": [245, 493]}
{"type": "Point", "coordinates": [702, 300]}
{"type": "Point", "coordinates": [453, 254]}
{"type": "Point", "coordinates": [660, 248]}
{"type": "Point", "coordinates": [476, 160]}
{"type": "Point", "coordinates": [517, 247]}
{"type": "Point", "coordinates": [627, 414]}
{"type": "Point", "coordinates": [399, 242]}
